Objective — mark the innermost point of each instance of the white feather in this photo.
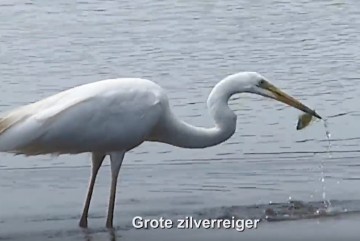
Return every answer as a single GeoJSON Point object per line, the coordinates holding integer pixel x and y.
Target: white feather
{"type": "Point", "coordinates": [110, 117]}
{"type": "Point", "coordinates": [91, 117]}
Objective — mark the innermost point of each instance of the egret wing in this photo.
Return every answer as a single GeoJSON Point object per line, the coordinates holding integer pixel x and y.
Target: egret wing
{"type": "Point", "coordinates": [104, 121]}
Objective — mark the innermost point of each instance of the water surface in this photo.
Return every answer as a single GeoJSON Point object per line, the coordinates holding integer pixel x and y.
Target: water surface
{"type": "Point", "coordinates": [308, 48]}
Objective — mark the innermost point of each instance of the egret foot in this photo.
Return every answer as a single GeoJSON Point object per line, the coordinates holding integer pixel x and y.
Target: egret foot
{"type": "Point", "coordinates": [109, 224]}
{"type": "Point", "coordinates": [83, 222]}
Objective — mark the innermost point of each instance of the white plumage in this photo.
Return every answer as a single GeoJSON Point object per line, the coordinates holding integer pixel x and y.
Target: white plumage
{"type": "Point", "coordinates": [92, 117]}
{"type": "Point", "coordinates": [112, 116]}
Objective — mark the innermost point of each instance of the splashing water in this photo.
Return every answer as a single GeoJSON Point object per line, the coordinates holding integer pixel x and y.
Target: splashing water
{"type": "Point", "coordinates": [327, 202]}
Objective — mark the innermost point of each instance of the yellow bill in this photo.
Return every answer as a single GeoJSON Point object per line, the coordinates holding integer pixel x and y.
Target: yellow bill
{"type": "Point", "coordinates": [281, 96]}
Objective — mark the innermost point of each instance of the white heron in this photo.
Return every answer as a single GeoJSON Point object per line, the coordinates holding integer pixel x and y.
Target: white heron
{"type": "Point", "coordinates": [113, 116]}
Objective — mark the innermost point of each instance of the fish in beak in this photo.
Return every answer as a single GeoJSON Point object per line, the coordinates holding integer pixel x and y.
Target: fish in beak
{"type": "Point", "coordinates": [275, 93]}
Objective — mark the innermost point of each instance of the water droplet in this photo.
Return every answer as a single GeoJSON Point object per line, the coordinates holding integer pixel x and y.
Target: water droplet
{"type": "Point", "coordinates": [290, 198]}
{"type": "Point", "coordinates": [327, 203]}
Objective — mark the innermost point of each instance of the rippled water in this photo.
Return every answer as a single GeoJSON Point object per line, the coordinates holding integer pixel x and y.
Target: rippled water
{"type": "Point", "coordinates": [308, 48]}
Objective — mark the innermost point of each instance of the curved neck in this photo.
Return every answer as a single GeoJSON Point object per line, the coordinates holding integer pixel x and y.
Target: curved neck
{"type": "Point", "coordinates": [176, 132]}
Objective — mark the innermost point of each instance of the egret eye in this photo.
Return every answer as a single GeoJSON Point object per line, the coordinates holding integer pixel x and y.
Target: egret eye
{"type": "Point", "coordinates": [261, 82]}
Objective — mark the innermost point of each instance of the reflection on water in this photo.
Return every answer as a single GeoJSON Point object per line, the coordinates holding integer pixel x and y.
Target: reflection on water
{"type": "Point", "coordinates": [272, 212]}
{"type": "Point", "coordinates": [89, 236]}
{"type": "Point", "coordinates": [308, 48]}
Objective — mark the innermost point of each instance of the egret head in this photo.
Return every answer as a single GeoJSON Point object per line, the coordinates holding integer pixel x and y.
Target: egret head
{"type": "Point", "coordinates": [253, 82]}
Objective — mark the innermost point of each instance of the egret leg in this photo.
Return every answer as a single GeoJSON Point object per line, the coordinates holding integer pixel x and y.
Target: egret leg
{"type": "Point", "coordinates": [97, 159]}
{"type": "Point", "coordinates": [116, 159]}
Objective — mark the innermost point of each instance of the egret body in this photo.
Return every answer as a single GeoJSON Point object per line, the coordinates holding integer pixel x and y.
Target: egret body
{"type": "Point", "coordinates": [113, 116]}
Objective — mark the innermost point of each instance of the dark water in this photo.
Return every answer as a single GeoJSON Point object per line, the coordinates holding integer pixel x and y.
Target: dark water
{"type": "Point", "coordinates": [308, 48]}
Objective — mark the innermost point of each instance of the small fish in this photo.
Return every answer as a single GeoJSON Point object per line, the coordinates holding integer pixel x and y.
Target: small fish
{"type": "Point", "coordinates": [304, 120]}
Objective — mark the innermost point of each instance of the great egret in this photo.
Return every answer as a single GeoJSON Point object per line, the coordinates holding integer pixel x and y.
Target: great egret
{"type": "Point", "coordinates": [111, 117]}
